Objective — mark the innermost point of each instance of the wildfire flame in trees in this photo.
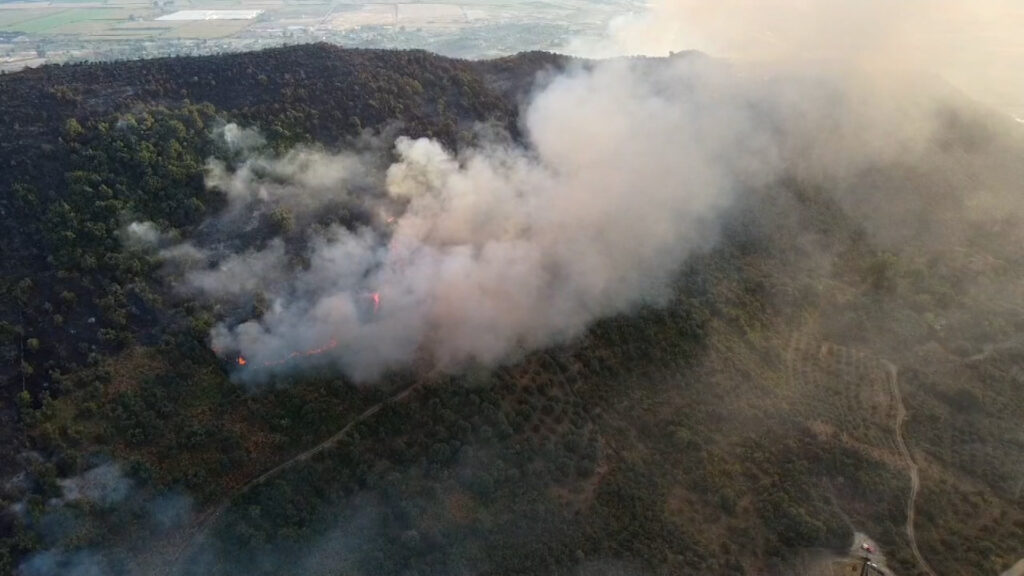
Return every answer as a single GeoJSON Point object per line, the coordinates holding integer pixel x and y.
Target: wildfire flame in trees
{"type": "Point", "coordinates": [331, 344]}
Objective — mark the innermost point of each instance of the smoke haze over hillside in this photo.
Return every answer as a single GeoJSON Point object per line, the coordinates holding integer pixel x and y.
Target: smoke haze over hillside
{"type": "Point", "coordinates": [504, 247]}
{"type": "Point", "coordinates": [478, 255]}
{"type": "Point", "coordinates": [811, 222]}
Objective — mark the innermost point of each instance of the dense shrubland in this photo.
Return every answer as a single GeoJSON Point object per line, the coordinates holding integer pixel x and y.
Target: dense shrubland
{"type": "Point", "coordinates": [743, 422]}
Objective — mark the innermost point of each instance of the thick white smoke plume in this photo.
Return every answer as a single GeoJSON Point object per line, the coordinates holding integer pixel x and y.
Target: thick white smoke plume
{"type": "Point", "coordinates": [974, 44]}
{"type": "Point", "coordinates": [142, 234]}
{"type": "Point", "coordinates": [502, 247]}
{"type": "Point", "coordinates": [479, 255]}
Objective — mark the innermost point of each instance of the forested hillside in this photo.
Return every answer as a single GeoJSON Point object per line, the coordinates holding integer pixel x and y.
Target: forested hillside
{"type": "Point", "coordinates": [743, 425]}
{"type": "Point", "coordinates": [86, 146]}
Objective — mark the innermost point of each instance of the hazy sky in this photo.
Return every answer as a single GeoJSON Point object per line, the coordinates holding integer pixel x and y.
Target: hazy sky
{"type": "Point", "coordinates": [978, 45]}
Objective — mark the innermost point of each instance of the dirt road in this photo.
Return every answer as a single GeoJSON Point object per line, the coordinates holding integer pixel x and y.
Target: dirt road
{"type": "Point", "coordinates": [328, 443]}
{"type": "Point", "coordinates": [198, 529]}
{"type": "Point", "coordinates": [1015, 570]}
{"type": "Point", "coordinates": [915, 481]}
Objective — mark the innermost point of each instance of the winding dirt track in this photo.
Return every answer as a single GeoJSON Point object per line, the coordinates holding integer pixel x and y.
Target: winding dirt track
{"type": "Point", "coordinates": [1015, 570]}
{"type": "Point", "coordinates": [328, 443]}
{"type": "Point", "coordinates": [197, 533]}
{"type": "Point", "coordinates": [915, 481]}
{"type": "Point", "coordinates": [209, 519]}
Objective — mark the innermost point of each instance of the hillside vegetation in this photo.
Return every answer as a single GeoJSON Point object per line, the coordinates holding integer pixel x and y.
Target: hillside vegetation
{"type": "Point", "coordinates": [743, 426]}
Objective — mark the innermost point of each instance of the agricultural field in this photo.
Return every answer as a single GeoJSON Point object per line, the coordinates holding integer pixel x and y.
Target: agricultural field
{"type": "Point", "coordinates": [208, 29]}
{"type": "Point", "coordinates": [112, 29]}
{"type": "Point", "coordinates": [94, 18]}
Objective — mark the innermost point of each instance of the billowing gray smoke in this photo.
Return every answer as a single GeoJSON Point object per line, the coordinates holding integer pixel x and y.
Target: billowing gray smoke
{"type": "Point", "coordinates": [479, 255]}
{"type": "Point", "coordinates": [972, 45]}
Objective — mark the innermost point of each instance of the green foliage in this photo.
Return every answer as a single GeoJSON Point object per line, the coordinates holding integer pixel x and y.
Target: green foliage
{"type": "Point", "coordinates": [72, 129]}
{"type": "Point", "coordinates": [282, 221]}
{"type": "Point", "coordinates": [148, 167]}
{"type": "Point", "coordinates": [727, 429]}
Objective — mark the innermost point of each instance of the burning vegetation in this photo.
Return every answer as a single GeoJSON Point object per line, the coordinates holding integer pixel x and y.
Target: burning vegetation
{"type": "Point", "coordinates": [296, 355]}
{"type": "Point", "coordinates": [672, 316]}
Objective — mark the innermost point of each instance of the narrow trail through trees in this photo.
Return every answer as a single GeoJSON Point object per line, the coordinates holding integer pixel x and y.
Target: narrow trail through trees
{"type": "Point", "coordinates": [798, 370]}
{"type": "Point", "coordinates": [198, 529]}
{"type": "Point", "coordinates": [915, 479]}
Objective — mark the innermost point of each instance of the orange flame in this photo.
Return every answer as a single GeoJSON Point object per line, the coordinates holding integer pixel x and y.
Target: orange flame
{"type": "Point", "coordinates": [332, 343]}
{"type": "Point", "coordinates": [303, 353]}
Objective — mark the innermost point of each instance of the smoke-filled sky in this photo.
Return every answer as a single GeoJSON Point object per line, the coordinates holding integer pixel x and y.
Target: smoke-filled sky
{"type": "Point", "coordinates": [975, 44]}
{"type": "Point", "coordinates": [477, 255]}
